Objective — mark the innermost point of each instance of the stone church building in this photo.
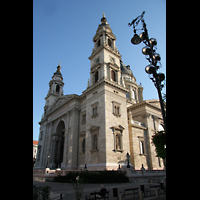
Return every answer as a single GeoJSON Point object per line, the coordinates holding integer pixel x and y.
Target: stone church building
{"type": "Point", "coordinates": [109, 118]}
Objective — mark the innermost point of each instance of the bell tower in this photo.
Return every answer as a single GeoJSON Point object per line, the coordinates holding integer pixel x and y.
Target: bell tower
{"type": "Point", "coordinates": [55, 88]}
{"type": "Point", "coordinates": [105, 57]}
{"type": "Point", "coordinates": [106, 126]}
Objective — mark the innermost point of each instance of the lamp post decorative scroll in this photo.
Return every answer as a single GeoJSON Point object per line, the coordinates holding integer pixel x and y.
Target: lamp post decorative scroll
{"type": "Point", "coordinates": [150, 53]}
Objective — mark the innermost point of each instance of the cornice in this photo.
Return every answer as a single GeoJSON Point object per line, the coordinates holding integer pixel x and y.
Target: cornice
{"type": "Point", "coordinates": [104, 47]}
{"type": "Point", "coordinates": [73, 97]}
{"type": "Point", "coordinates": [104, 29]}
{"type": "Point", "coordinates": [112, 51]}
{"type": "Point", "coordinates": [95, 66]}
{"type": "Point", "coordinates": [114, 66]}
{"type": "Point", "coordinates": [114, 84]}
{"type": "Point", "coordinates": [58, 81]}
{"type": "Point", "coordinates": [137, 126]}
{"type": "Point", "coordinates": [106, 81]}
{"type": "Point", "coordinates": [42, 120]}
{"type": "Point", "coordinates": [95, 52]}
{"type": "Point", "coordinates": [143, 103]}
{"type": "Point", "coordinates": [49, 94]}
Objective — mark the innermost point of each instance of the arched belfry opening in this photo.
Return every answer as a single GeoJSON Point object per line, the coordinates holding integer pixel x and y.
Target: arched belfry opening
{"type": "Point", "coordinates": [57, 88]}
{"type": "Point", "coordinates": [59, 144]}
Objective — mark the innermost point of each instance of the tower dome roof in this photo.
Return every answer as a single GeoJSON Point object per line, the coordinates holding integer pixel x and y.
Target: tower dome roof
{"type": "Point", "coordinates": [103, 20]}
{"type": "Point", "coordinates": [125, 68]}
{"type": "Point", "coordinates": [58, 72]}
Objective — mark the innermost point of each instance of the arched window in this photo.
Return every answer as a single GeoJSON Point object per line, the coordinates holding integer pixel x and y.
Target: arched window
{"type": "Point", "coordinates": [133, 94]}
{"type": "Point", "coordinates": [127, 95]}
{"type": "Point", "coordinates": [96, 76]}
{"type": "Point", "coordinates": [160, 127]}
{"type": "Point", "coordinates": [98, 43]}
{"type": "Point", "coordinates": [58, 148]}
{"type": "Point", "coordinates": [113, 75]}
{"type": "Point", "coordinates": [141, 147]}
{"type": "Point", "coordinates": [57, 88]}
{"type": "Point", "coordinates": [109, 42]}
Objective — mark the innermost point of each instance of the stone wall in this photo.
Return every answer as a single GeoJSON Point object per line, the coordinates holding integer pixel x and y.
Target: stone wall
{"type": "Point", "coordinates": [146, 176]}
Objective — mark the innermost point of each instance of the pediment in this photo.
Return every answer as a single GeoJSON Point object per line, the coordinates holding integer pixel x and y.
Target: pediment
{"type": "Point", "coordinates": [155, 103]}
{"type": "Point", "coordinates": [59, 102]}
{"type": "Point", "coordinates": [94, 128]}
{"type": "Point", "coordinates": [119, 127]}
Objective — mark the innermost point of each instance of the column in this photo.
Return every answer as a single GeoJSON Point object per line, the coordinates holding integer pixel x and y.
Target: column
{"type": "Point", "coordinates": [99, 73]}
{"type": "Point", "coordinates": [147, 121]}
{"type": "Point", "coordinates": [54, 153]}
{"type": "Point", "coordinates": [130, 92]}
{"type": "Point", "coordinates": [64, 162]}
{"type": "Point", "coordinates": [140, 93]}
{"type": "Point", "coordinates": [114, 45]}
{"type": "Point", "coordinates": [118, 77]}
{"type": "Point", "coordinates": [58, 149]}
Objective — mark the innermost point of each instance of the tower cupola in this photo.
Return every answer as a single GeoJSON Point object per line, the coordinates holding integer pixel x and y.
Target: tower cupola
{"type": "Point", "coordinates": [55, 88]}
{"type": "Point", "coordinates": [130, 83]}
{"type": "Point", "coordinates": [105, 57]}
{"type": "Point", "coordinates": [103, 20]}
{"type": "Point", "coordinates": [57, 75]}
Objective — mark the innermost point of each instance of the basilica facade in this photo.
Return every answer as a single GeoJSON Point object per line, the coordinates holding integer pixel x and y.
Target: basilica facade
{"type": "Point", "coordinates": [108, 120]}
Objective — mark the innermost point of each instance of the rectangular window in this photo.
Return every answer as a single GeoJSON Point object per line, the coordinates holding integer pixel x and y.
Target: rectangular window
{"type": "Point", "coordinates": [83, 114]}
{"type": "Point", "coordinates": [97, 60]}
{"type": "Point", "coordinates": [153, 122]}
{"type": "Point", "coordinates": [41, 135]}
{"type": "Point", "coordinates": [82, 143]}
{"type": "Point", "coordinates": [95, 109]}
{"type": "Point", "coordinates": [116, 109]}
{"type": "Point", "coordinates": [84, 118]}
{"type": "Point", "coordinates": [94, 130]}
{"type": "Point", "coordinates": [113, 75]}
{"type": "Point", "coordinates": [83, 146]}
{"type": "Point", "coordinates": [142, 145]}
{"type": "Point", "coordinates": [118, 138]}
{"type": "Point", "coordinates": [39, 152]}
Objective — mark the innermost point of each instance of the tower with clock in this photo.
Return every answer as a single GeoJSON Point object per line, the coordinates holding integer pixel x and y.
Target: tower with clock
{"type": "Point", "coordinates": [108, 95]}
{"type": "Point", "coordinates": [105, 58]}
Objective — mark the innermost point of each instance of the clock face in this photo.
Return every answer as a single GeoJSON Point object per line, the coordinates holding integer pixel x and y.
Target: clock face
{"type": "Point", "coordinates": [97, 60]}
{"type": "Point", "coordinates": [112, 59]}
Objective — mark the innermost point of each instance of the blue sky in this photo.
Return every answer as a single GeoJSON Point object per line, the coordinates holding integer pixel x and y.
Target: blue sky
{"type": "Point", "coordinates": [63, 31]}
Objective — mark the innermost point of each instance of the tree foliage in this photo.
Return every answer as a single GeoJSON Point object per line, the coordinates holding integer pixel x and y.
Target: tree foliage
{"type": "Point", "coordinates": [159, 140]}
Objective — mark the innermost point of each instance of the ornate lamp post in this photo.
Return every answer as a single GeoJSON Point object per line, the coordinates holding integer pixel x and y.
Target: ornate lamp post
{"type": "Point", "coordinates": [48, 160]}
{"type": "Point", "coordinates": [154, 58]}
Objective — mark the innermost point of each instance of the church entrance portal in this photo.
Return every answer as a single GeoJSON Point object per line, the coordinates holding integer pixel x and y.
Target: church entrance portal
{"type": "Point", "coordinates": [59, 145]}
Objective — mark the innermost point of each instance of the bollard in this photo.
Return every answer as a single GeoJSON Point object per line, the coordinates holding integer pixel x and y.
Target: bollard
{"type": "Point", "coordinates": [142, 189]}
{"type": "Point", "coordinates": [120, 196]}
{"type": "Point", "coordinates": [141, 195]}
{"type": "Point", "coordinates": [157, 194]}
{"type": "Point", "coordinates": [95, 195]}
{"type": "Point", "coordinates": [115, 192]}
{"type": "Point", "coordinates": [162, 186]}
{"type": "Point", "coordinates": [60, 196]}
